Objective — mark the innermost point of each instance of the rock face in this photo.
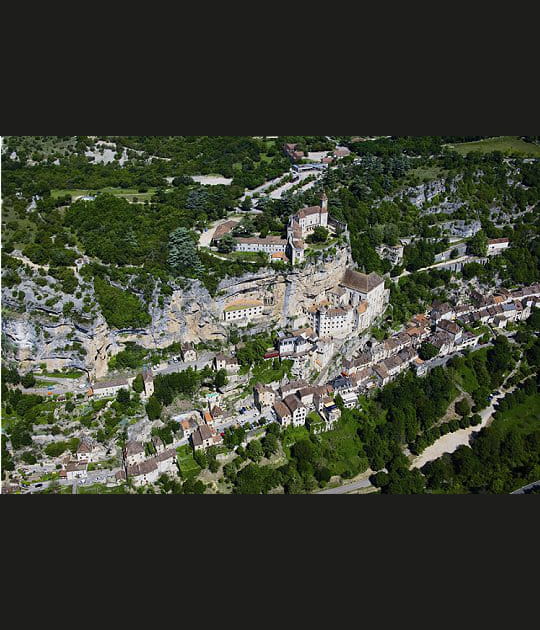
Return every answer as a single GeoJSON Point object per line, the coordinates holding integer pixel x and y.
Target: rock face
{"type": "Point", "coordinates": [46, 336]}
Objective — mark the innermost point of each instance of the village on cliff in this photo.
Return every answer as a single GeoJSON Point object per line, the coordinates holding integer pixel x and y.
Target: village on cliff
{"type": "Point", "coordinates": [323, 330]}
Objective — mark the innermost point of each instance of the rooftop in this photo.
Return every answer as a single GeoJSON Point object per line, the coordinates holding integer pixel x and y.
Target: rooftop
{"type": "Point", "coordinates": [361, 282]}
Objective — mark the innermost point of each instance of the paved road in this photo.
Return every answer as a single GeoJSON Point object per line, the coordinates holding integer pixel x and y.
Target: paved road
{"type": "Point", "coordinates": [351, 487]}
{"type": "Point", "coordinates": [204, 360]}
{"type": "Point", "coordinates": [525, 489]}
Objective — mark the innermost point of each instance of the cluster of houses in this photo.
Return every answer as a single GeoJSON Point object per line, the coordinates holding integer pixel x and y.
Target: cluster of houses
{"type": "Point", "coordinates": [110, 388]}
{"type": "Point", "coordinates": [76, 467]}
{"type": "Point", "coordinates": [327, 158]}
{"type": "Point", "coordinates": [142, 469]}
{"type": "Point", "coordinates": [298, 404]}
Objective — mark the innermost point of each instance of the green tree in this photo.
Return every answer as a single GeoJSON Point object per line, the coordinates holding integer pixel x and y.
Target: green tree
{"type": "Point", "coordinates": [138, 384]}
{"type": "Point", "coordinates": [153, 408]}
{"type": "Point", "coordinates": [428, 351]}
{"type": "Point", "coordinates": [463, 408]}
{"type": "Point", "coordinates": [28, 380]}
{"type": "Point", "coordinates": [478, 245]}
{"type": "Point", "coordinates": [227, 244]}
{"type": "Point", "coordinates": [255, 451]}
{"type": "Point", "coordinates": [183, 255]}
{"type": "Point", "coordinates": [221, 379]}
{"type": "Point", "coordinates": [123, 397]}
{"type": "Point", "coordinates": [320, 235]}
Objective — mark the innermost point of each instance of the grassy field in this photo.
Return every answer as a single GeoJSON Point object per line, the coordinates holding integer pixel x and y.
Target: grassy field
{"type": "Point", "coordinates": [187, 464]}
{"type": "Point", "coordinates": [73, 375]}
{"type": "Point", "coordinates": [505, 144]}
{"type": "Point", "coordinates": [524, 417]}
{"type": "Point", "coordinates": [426, 174]}
{"type": "Point", "coordinates": [126, 193]}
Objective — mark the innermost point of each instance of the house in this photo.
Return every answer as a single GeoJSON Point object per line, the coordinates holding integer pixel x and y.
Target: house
{"type": "Point", "coordinates": [307, 396]}
{"type": "Point", "coordinates": [442, 311]}
{"type": "Point", "coordinates": [283, 414]}
{"type": "Point", "coordinates": [297, 409]}
{"type": "Point", "coordinates": [135, 453]}
{"type": "Point", "coordinates": [148, 381]}
{"type": "Point", "coordinates": [451, 328]}
{"type": "Point", "coordinates": [217, 414]}
{"type": "Point", "coordinates": [230, 365]}
{"type": "Point", "coordinates": [335, 322]}
{"type": "Point", "coordinates": [291, 152]}
{"type": "Point", "coordinates": [444, 342]}
{"type": "Point", "coordinates": [109, 389]}
{"type": "Point", "coordinates": [224, 229]}
{"type": "Point", "coordinates": [497, 246]}
{"type": "Point", "coordinates": [243, 311]}
{"type": "Point", "coordinates": [269, 245]}
{"type": "Point", "coordinates": [328, 410]}
{"type": "Point", "coordinates": [369, 289]}
{"type": "Point", "coordinates": [350, 400]}
{"type": "Point", "coordinates": [343, 385]}
{"type": "Point", "coordinates": [292, 388]}
{"type": "Point", "coordinates": [89, 451]}
{"type": "Point", "coordinates": [189, 354]}
{"type": "Point", "coordinates": [352, 366]}
{"type": "Point", "coordinates": [204, 437]}
{"type": "Point", "coordinates": [189, 426]}
{"type": "Point", "coordinates": [364, 379]}
{"type": "Point", "coordinates": [142, 474]}
{"type": "Point", "coordinates": [159, 445]}
{"type": "Point", "coordinates": [341, 152]}
{"type": "Point", "coordinates": [76, 470]}
{"type": "Point", "coordinates": [381, 374]}
{"type": "Point", "coordinates": [264, 396]}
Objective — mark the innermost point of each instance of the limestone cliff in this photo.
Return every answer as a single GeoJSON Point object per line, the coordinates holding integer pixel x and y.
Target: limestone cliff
{"type": "Point", "coordinates": [33, 334]}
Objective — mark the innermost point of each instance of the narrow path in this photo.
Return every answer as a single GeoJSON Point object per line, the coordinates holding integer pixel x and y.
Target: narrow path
{"type": "Point", "coordinates": [451, 442]}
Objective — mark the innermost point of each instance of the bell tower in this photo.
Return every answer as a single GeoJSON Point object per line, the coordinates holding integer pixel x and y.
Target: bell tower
{"type": "Point", "coordinates": [324, 202]}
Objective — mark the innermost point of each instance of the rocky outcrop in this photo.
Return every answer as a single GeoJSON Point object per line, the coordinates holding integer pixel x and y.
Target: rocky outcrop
{"type": "Point", "coordinates": [42, 335]}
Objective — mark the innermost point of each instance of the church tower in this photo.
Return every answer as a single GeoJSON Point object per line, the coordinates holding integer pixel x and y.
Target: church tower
{"type": "Point", "coordinates": [324, 202]}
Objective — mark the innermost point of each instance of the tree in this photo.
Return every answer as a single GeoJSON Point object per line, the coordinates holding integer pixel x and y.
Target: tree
{"type": "Point", "coordinates": [138, 384]}
{"type": "Point", "coordinates": [183, 254]}
{"type": "Point", "coordinates": [478, 245]}
{"type": "Point", "coordinates": [270, 445]}
{"type": "Point", "coordinates": [255, 451]}
{"type": "Point", "coordinates": [227, 244]}
{"type": "Point", "coordinates": [245, 228]}
{"type": "Point", "coordinates": [123, 397]}
{"type": "Point", "coordinates": [463, 408]}
{"type": "Point", "coordinates": [201, 458]}
{"type": "Point", "coordinates": [428, 351]}
{"type": "Point", "coordinates": [320, 235]}
{"type": "Point", "coordinates": [28, 380]}
{"type": "Point", "coordinates": [221, 379]}
{"type": "Point", "coordinates": [153, 408]}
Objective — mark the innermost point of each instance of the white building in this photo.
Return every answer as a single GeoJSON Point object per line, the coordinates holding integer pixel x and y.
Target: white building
{"type": "Point", "coordinates": [269, 245]}
{"type": "Point", "coordinates": [352, 307]}
{"type": "Point", "coordinates": [497, 245]}
{"type": "Point", "coordinates": [297, 409]}
{"type": "Point", "coordinates": [135, 453]}
{"type": "Point", "coordinates": [109, 389]}
{"type": "Point", "coordinates": [189, 354]}
{"type": "Point", "coordinates": [243, 311]}
{"type": "Point", "coordinates": [302, 225]}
